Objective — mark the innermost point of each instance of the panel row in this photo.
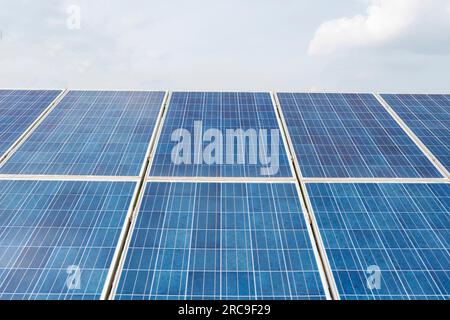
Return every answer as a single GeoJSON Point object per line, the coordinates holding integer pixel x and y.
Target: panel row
{"type": "Point", "coordinates": [190, 240]}
{"type": "Point", "coordinates": [210, 134]}
{"type": "Point", "coordinates": [224, 241]}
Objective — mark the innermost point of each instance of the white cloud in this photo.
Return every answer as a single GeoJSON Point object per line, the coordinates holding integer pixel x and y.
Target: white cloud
{"type": "Point", "coordinates": [411, 24]}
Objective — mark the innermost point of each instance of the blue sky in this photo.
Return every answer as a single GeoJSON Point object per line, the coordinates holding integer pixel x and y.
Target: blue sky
{"type": "Point", "coordinates": [320, 45]}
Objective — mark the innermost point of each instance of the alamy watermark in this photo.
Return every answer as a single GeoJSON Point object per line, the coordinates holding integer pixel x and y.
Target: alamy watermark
{"type": "Point", "coordinates": [73, 21]}
{"type": "Point", "coordinates": [374, 278]}
{"type": "Point", "coordinates": [73, 281]}
{"type": "Point", "coordinates": [234, 147]}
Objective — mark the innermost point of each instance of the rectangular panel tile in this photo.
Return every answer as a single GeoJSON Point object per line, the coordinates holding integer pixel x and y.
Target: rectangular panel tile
{"type": "Point", "coordinates": [19, 109]}
{"type": "Point", "coordinates": [399, 232]}
{"type": "Point", "coordinates": [220, 241]}
{"type": "Point", "coordinates": [428, 116]}
{"type": "Point", "coordinates": [350, 135]}
{"type": "Point", "coordinates": [52, 231]}
{"type": "Point", "coordinates": [222, 112]}
{"type": "Point", "coordinates": [91, 133]}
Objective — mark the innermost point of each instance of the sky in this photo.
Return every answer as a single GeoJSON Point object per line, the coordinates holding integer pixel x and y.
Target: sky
{"type": "Point", "coordinates": [278, 45]}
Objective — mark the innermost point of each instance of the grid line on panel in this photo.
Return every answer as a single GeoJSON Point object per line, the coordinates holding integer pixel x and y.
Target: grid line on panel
{"type": "Point", "coordinates": [327, 277]}
{"type": "Point", "coordinates": [400, 228]}
{"type": "Point", "coordinates": [428, 117]}
{"type": "Point", "coordinates": [349, 136]}
{"type": "Point", "coordinates": [109, 290]}
{"type": "Point", "coordinates": [49, 227]}
{"type": "Point", "coordinates": [221, 111]}
{"type": "Point", "coordinates": [19, 111]}
{"type": "Point", "coordinates": [90, 133]}
{"type": "Point", "coordinates": [206, 248]}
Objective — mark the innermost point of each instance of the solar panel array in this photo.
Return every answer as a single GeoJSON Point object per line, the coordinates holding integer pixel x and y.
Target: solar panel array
{"type": "Point", "coordinates": [350, 135]}
{"type": "Point", "coordinates": [428, 116]}
{"type": "Point", "coordinates": [18, 110]}
{"type": "Point", "coordinates": [68, 190]}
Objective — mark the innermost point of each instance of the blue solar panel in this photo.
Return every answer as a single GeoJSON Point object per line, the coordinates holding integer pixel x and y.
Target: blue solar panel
{"type": "Point", "coordinates": [91, 133]}
{"type": "Point", "coordinates": [220, 241]}
{"type": "Point", "coordinates": [221, 111]}
{"type": "Point", "coordinates": [428, 116]}
{"type": "Point", "coordinates": [18, 110]}
{"type": "Point", "coordinates": [52, 230]}
{"type": "Point", "coordinates": [350, 135]}
{"type": "Point", "coordinates": [404, 229]}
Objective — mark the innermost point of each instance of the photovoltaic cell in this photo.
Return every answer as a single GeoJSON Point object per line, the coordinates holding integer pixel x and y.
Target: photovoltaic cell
{"type": "Point", "coordinates": [221, 111]}
{"type": "Point", "coordinates": [18, 110]}
{"type": "Point", "coordinates": [402, 229]}
{"type": "Point", "coordinates": [428, 116]}
{"type": "Point", "coordinates": [350, 135]}
{"type": "Point", "coordinates": [91, 133]}
{"type": "Point", "coordinates": [220, 241]}
{"type": "Point", "coordinates": [50, 230]}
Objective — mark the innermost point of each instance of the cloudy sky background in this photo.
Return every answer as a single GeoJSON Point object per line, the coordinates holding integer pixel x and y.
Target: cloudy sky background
{"type": "Point", "coordinates": [300, 45]}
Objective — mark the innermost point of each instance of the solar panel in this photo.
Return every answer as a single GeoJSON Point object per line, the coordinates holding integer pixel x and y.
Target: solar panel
{"type": "Point", "coordinates": [220, 241]}
{"type": "Point", "coordinates": [204, 239]}
{"type": "Point", "coordinates": [350, 135]}
{"type": "Point", "coordinates": [91, 133]}
{"type": "Point", "coordinates": [221, 111]}
{"type": "Point", "coordinates": [428, 116]}
{"type": "Point", "coordinates": [51, 231]}
{"type": "Point", "coordinates": [18, 110]}
{"type": "Point", "coordinates": [401, 229]}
